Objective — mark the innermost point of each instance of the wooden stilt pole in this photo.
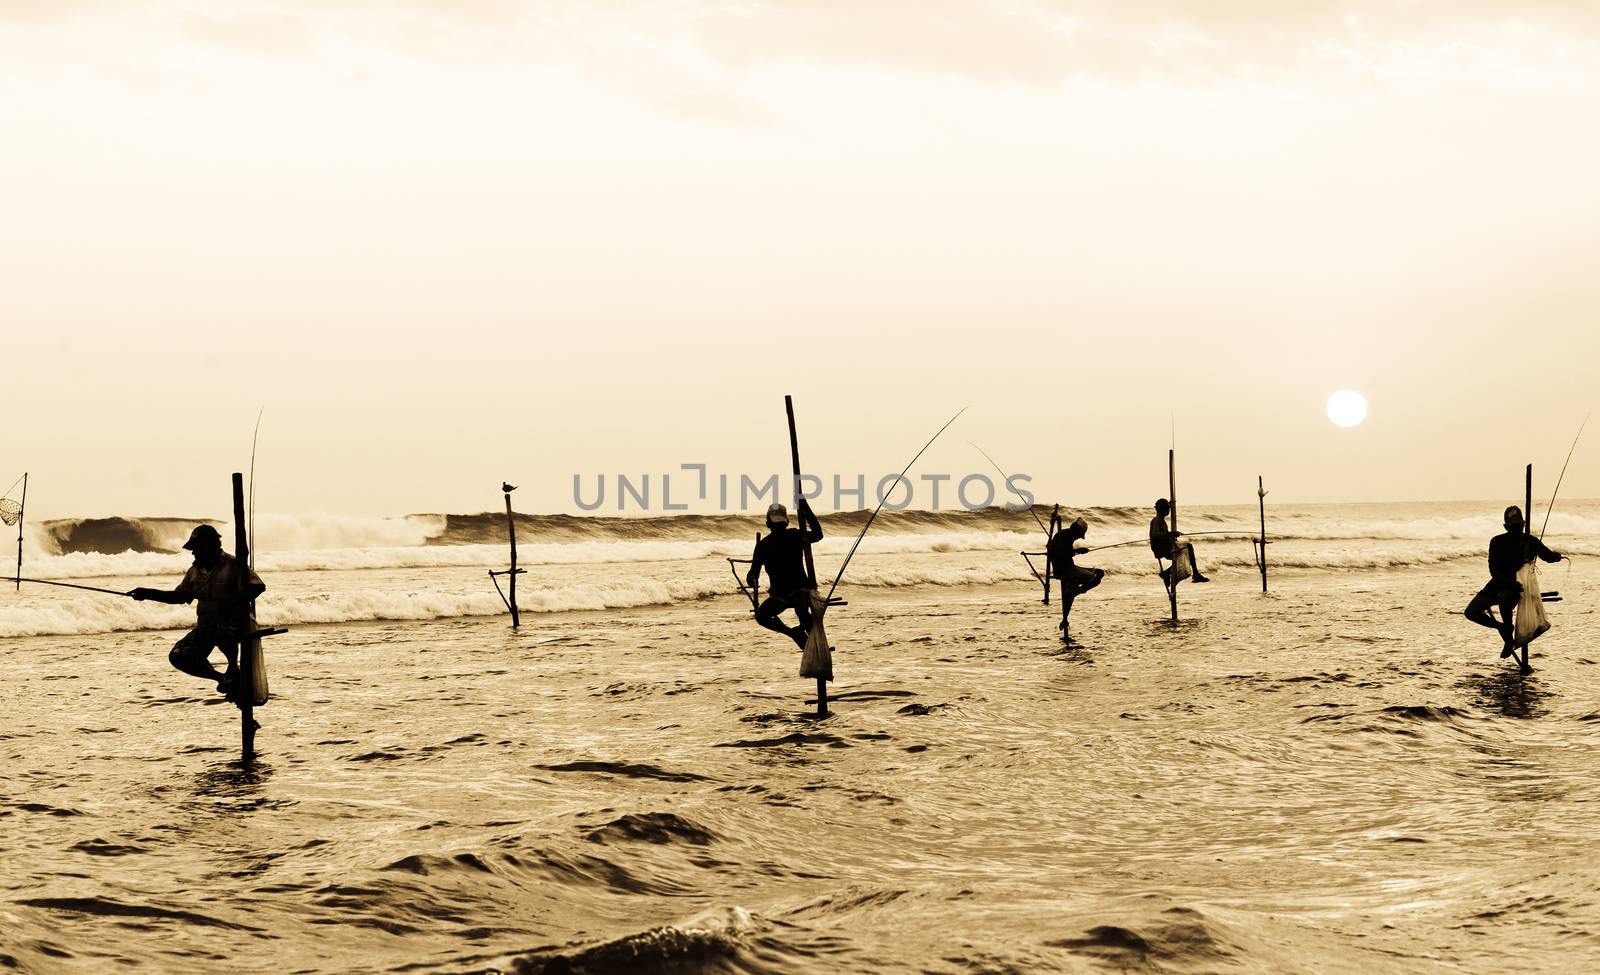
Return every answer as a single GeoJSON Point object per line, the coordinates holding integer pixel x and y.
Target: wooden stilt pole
{"type": "Point", "coordinates": [811, 569]}
{"type": "Point", "coordinates": [1261, 495]}
{"type": "Point", "coordinates": [244, 686]}
{"type": "Point", "coordinates": [511, 533]}
{"type": "Point", "coordinates": [1172, 499]}
{"type": "Point", "coordinates": [1050, 534]}
{"type": "Point", "coordinates": [1527, 529]}
{"type": "Point", "coordinates": [22, 519]}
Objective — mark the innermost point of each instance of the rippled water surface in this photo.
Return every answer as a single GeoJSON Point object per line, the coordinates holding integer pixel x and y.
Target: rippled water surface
{"type": "Point", "coordinates": [1339, 776]}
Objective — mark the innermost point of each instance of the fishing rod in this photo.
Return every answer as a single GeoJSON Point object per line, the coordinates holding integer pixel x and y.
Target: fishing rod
{"type": "Point", "coordinates": [897, 480]}
{"type": "Point", "coordinates": [13, 513]}
{"type": "Point", "coordinates": [1007, 478]}
{"type": "Point", "coordinates": [74, 585]}
{"type": "Point", "coordinates": [1223, 531]}
{"type": "Point", "coordinates": [1552, 504]}
{"type": "Point", "coordinates": [250, 521]}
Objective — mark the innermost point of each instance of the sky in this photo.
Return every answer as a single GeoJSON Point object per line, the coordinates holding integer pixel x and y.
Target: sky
{"type": "Point", "coordinates": [446, 244]}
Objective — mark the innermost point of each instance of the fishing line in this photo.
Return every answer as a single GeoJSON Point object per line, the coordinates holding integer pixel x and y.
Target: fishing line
{"type": "Point", "coordinates": [881, 501]}
{"type": "Point", "coordinates": [74, 585]}
{"type": "Point", "coordinates": [1551, 506]}
{"type": "Point", "coordinates": [1223, 531]}
{"type": "Point", "coordinates": [1013, 490]}
{"type": "Point", "coordinates": [250, 522]}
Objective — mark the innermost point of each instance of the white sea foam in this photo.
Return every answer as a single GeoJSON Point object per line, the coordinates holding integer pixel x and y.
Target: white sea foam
{"type": "Point", "coordinates": [330, 569]}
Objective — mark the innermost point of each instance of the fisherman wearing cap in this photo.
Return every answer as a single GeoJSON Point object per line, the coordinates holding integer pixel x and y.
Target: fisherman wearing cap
{"type": "Point", "coordinates": [1166, 543]}
{"type": "Point", "coordinates": [782, 553]}
{"type": "Point", "coordinates": [222, 611]}
{"type": "Point", "coordinates": [1508, 552]}
{"type": "Point", "coordinates": [1075, 579]}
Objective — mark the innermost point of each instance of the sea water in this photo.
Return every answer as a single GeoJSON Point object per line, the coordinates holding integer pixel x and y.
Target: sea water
{"type": "Point", "coordinates": [1338, 775]}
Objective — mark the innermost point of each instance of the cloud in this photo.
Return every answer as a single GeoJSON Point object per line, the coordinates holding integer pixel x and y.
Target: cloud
{"type": "Point", "coordinates": [983, 40]}
{"type": "Point", "coordinates": [1042, 41]}
{"type": "Point", "coordinates": [47, 11]}
{"type": "Point", "coordinates": [712, 107]}
{"type": "Point", "coordinates": [261, 31]}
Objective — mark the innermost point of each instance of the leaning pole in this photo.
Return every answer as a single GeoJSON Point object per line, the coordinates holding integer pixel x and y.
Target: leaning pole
{"type": "Point", "coordinates": [811, 568]}
{"type": "Point", "coordinates": [1527, 529]}
{"type": "Point", "coordinates": [1172, 499]}
{"type": "Point", "coordinates": [1261, 495]}
{"type": "Point", "coordinates": [244, 687]}
{"type": "Point", "coordinates": [511, 533]}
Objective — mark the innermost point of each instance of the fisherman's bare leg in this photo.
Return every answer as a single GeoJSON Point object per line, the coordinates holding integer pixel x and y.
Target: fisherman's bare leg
{"type": "Point", "coordinates": [1069, 592]}
{"type": "Point", "coordinates": [767, 615]}
{"type": "Point", "coordinates": [192, 654]}
{"type": "Point", "coordinates": [1194, 564]}
{"type": "Point", "coordinates": [802, 612]}
{"type": "Point", "coordinates": [230, 650]}
{"type": "Point", "coordinates": [772, 606]}
{"type": "Point", "coordinates": [1081, 581]}
{"type": "Point", "coordinates": [1508, 608]}
{"type": "Point", "coordinates": [1478, 612]}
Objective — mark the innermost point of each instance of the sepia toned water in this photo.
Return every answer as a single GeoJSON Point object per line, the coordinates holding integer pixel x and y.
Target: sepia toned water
{"type": "Point", "coordinates": [1337, 776]}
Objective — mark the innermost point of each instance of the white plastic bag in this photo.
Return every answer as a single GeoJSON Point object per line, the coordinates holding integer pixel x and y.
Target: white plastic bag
{"type": "Point", "coordinates": [816, 660]}
{"type": "Point", "coordinates": [1530, 616]}
{"type": "Point", "coordinates": [258, 691]}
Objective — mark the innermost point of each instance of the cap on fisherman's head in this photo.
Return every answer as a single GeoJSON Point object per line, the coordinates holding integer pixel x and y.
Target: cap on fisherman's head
{"type": "Point", "coordinates": [203, 535]}
{"type": "Point", "coordinates": [1080, 524]}
{"type": "Point", "coordinates": [777, 514]}
{"type": "Point", "coordinates": [1513, 515]}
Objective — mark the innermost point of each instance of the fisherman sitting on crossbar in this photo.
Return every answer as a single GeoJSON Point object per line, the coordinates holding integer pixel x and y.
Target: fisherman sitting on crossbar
{"type": "Point", "coordinates": [782, 553]}
{"type": "Point", "coordinates": [1075, 579]}
{"type": "Point", "coordinates": [222, 616]}
{"type": "Point", "coordinates": [1168, 544]}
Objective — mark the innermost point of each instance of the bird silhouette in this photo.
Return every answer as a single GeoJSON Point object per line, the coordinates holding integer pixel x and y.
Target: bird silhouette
{"type": "Point", "coordinates": [507, 487]}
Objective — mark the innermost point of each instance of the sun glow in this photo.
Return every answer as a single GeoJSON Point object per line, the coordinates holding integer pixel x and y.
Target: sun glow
{"type": "Point", "coordinates": [1347, 408]}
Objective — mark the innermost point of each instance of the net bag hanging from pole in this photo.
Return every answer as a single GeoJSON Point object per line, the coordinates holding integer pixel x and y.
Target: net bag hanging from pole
{"type": "Point", "coordinates": [1530, 620]}
{"type": "Point", "coordinates": [10, 511]}
{"type": "Point", "coordinates": [816, 658]}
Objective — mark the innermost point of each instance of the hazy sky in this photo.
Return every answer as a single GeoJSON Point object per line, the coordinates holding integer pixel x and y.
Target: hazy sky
{"type": "Point", "coordinates": [446, 243]}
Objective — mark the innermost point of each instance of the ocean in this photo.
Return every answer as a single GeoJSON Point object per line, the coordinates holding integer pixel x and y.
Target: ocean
{"type": "Point", "coordinates": [1337, 775]}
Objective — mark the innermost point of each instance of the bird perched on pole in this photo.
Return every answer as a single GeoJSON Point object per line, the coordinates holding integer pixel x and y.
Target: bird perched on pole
{"type": "Point", "coordinates": [507, 488]}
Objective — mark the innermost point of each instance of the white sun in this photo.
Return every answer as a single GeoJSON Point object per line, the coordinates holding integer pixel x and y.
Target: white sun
{"type": "Point", "coordinates": [1347, 408]}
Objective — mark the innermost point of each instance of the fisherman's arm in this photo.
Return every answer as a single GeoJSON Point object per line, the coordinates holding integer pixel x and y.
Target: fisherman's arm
{"type": "Point", "coordinates": [1545, 553]}
{"type": "Point", "coordinates": [809, 517]}
{"type": "Point", "coordinates": [754, 575]}
{"type": "Point", "coordinates": [174, 597]}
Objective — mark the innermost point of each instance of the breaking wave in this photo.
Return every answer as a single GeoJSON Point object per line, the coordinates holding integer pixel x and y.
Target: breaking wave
{"type": "Point", "coordinates": [324, 532]}
{"type": "Point", "coordinates": [384, 566]}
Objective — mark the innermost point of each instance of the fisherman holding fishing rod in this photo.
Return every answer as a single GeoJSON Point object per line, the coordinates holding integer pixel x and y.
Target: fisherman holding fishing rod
{"type": "Point", "coordinates": [222, 612]}
{"type": "Point", "coordinates": [1075, 579]}
{"type": "Point", "coordinates": [782, 553]}
{"type": "Point", "coordinates": [1167, 544]}
{"type": "Point", "coordinates": [1508, 552]}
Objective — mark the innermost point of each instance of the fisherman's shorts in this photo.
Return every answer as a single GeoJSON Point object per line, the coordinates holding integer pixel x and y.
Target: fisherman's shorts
{"type": "Point", "coordinates": [1080, 579]}
{"type": "Point", "coordinates": [1496, 593]}
{"type": "Point", "coordinates": [799, 600]}
{"type": "Point", "coordinates": [198, 643]}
